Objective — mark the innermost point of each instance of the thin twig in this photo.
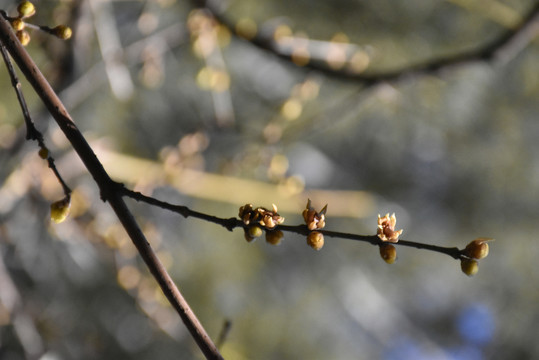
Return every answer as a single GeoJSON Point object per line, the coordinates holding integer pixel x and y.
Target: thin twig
{"type": "Point", "coordinates": [232, 223]}
{"type": "Point", "coordinates": [32, 133]}
{"type": "Point", "coordinates": [497, 49]}
{"type": "Point", "coordinates": [109, 189]}
{"type": "Point", "coordinates": [227, 325]}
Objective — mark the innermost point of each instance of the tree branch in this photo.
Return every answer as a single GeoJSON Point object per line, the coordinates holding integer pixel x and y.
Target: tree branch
{"type": "Point", "coordinates": [32, 133]}
{"type": "Point", "coordinates": [232, 223]}
{"type": "Point", "coordinates": [501, 48]}
{"type": "Point", "coordinates": [109, 189]}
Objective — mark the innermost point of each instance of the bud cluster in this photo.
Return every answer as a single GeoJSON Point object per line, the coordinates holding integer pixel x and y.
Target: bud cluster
{"type": "Point", "coordinates": [259, 220]}
{"type": "Point", "coordinates": [476, 250]}
{"type": "Point", "coordinates": [266, 218]}
{"type": "Point", "coordinates": [25, 10]}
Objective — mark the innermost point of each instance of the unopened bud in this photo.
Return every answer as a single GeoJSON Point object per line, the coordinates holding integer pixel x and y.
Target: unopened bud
{"type": "Point", "coordinates": [60, 209]}
{"type": "Point", "coordinates": [274, 237]}
{"type": "Point", "coordinates": [62, 31]}
{"type": "Point", "coordinates": [26, 9]}
{"type": "Point", "coordinates": [43, 153]}
{"type": "Point", "coordinates": [388, 252]}
{"type": "Point", "coordinates": [255, 231]}
{"type": "Point", "coordinates": [315, 240]}
{"type": "Point", "coordinates": [469, 266]}
{"type": "Point", "coordinates": [247, 237]}
{"type": "Point", "coordinates": [17, 24]}
{"type": "Point", "coordinates": [23, 37]}
{"type": "Point", "coordinates": [477, 249]}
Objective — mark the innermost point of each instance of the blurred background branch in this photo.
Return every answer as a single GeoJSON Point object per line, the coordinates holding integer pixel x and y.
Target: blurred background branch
{"type": "Point", "coordinates": [347, 61]}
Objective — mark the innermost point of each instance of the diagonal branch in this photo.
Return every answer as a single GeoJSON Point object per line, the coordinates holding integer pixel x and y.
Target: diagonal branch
{"type": "Point", "coordinates": [110, 190]}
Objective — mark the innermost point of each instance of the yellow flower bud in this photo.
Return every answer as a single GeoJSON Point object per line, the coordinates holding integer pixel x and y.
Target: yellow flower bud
{"type": "Point", "coordinates": [23, 37]}
{"type": "Point", "coordinates": [469, 266]}
{"type": "Point", "coordinates": [315, 240]}
{"type": "Point", "coordinates": [388, 252]}
{"type": "Point", "coordinates": [62, 31]}
{"type": "Point", "coordinates": [43, 153]}
{"type": "Point", "coordinates": [26, 9]}
{"type": "Point", "coordinates": [255, 231]}
{"type": "Point", "coordinates": [477, 249]}
{"type": "Point", "coordinates": [17, 24]}
{"type": "Point", "coordinates": [60, 209]}
{"type": "Point", "coordinates": [274, 237]}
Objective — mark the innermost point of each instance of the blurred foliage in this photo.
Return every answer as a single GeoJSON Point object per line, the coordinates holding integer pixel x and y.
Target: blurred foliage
{"type": "Point", "coordinates": [179, 108]}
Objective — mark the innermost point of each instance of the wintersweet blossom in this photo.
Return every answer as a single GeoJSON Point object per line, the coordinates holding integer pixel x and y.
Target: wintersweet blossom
{"type": "Point", "coordinates": [267, 218]}
{"type": "Point", "coordinates": [386, 228]}
{"type": "Point", "coordinates": [313, 219]}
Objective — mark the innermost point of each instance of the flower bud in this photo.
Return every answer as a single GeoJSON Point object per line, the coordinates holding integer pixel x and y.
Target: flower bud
{"type": "Point", "coordinates": [23, 37]}
{"type": "Point", "coordinates": [274, 237]}
{"type": "Point", "coordinates": [388, 252]}
{"type": "Point", "coordinates": [60, 209]}
{"type": "Point", "coordinates": [43, 153]}
{"type": "Point", "coordinates": [314, 219]}
{"type": "Point", "coordinates": [469, 266]}
{"type": "Point", "coordinates": [26, 9]}
{"type": "Point", "coordinates": [247, 237]}
{"type": "Point", "coordinates": [62, 31]}
{"type": "Point", "coordinates": [477, 249]}
{"type": "Point", "coordinates": [17, 24]}
{"type": "Point", "coordinates": [255, 231]}
{"type": "Point", "coordinates": [315, 240]}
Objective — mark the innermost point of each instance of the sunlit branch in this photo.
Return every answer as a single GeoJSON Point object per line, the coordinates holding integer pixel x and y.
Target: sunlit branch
{"type": "Point", "coordinates": [108, 188]}
{"type": "Point", "coordinates": [232, 223]}
{"type": "Point", "coordinates": [502, 48]}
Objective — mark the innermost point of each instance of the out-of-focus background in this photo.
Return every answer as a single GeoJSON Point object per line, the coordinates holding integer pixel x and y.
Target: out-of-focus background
{"type": "Point", "coordinates": [180, 108]}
